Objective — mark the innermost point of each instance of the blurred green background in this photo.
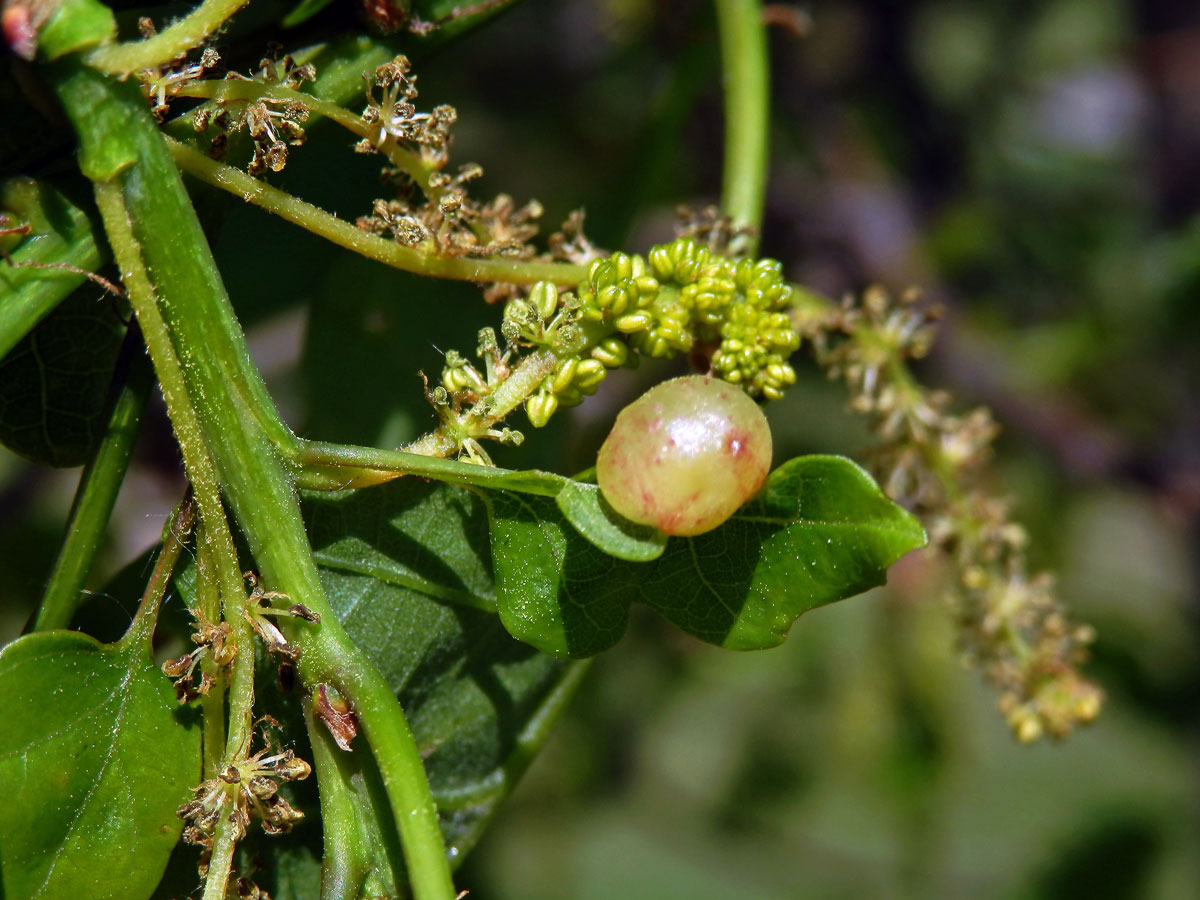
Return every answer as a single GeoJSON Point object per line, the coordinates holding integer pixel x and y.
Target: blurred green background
{"type": "Point", "coordinates": [1035, 167]}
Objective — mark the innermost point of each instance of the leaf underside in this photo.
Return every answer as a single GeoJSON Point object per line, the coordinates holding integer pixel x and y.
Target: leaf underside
{"type": "Point", "coordinates": [407, 569]}
{"type": "Point", "coordinates": [54, 384]}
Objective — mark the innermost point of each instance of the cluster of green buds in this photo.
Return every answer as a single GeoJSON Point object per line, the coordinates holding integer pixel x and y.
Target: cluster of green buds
{"type": "Point", "coordinates": [740, 306]}
{"type": "Point", "coordinates": [731, 316]}
{"type": "Point", "coordinates": [585, 329]}
{"type": "Point", "coordinates": [685, 298]}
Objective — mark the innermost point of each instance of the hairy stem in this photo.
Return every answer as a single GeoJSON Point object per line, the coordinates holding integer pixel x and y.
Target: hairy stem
{"type": "Point", "coordinates": [110, 199]}
{"type": "Point", "coordinates": [212, 704]}
{"type": "Point", "coordinates": [98, 487]}
{"type": "Point", "coordinates": [232, 448]}
{"type": "Point", "coordinates": [346, 859]}
{"type": "Point", "coordinates": [181, 523]}
{"type": "Point", "coordinates": [235, 89]}
{"type": "Point", "coordinates": [190, 31]}
{"type": "Point", "coordinates": [353, 238]}
{"type": "Point", "coordinates": [747, 113]}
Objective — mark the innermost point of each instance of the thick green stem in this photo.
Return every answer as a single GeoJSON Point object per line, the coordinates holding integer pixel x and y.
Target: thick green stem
{"type": "Point", "coordinates": [351, 237]}
{"type": "Point", "coordinates": [190, 31]}
{"type": "Point", "coordinates": [190, 327]}
{"type": "Point", "coordinates": [110, 198]}
{"type": "Point", "coordinates": [98, 487]}
{"type": "Point", "coordinates": [747, 113]}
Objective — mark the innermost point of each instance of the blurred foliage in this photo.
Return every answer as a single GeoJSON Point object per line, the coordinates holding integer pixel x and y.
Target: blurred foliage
{"type": "Point", "coordinates": [1033, 166]}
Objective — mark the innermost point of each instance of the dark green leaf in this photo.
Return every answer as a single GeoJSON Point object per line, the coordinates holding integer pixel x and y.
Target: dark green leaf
{"type": "Point", "coordinates": [820, 530]}
{"type": "Point", "coordinates": [407, 568]}
{"type": "Point", "coordinates": [54, 385]}
{"type": "Point", "coordinates": [94, 759]}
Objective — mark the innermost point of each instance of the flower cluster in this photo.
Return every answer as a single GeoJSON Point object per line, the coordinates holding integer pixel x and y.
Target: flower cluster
{"type": "Point", "coordinates": [741, 306]}
{"type": "Point", "coordinates": [212, 641]}
{"type": "Point", "coordinates": [730, 316]}
{"type": "Point", "coordinates": [274, 124]}
{"type": "Point", "coordinates": [160, 83]}
{"type": "Point", "coordinates": [243, 790]}
{"type": "Point", "coordinates": [1010, 623]}
{"type": "Point", "coordinates": [433, 210]}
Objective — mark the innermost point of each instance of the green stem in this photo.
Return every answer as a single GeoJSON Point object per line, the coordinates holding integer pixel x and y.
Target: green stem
{"type": "Point", "coordinates": [212, 704]}
{"type": "Point", "coordinates": [196, 460]}
{"type": "Point", "coordinates": [747, 114]}
{"type": "Point", "coordinates": [351, 237]}
{"type": "Point", "coordinates": [241, 705]}
{"type": "Point", "coordinates": [98, 487]}
{"type": "Point", "coordinates": [182, 520]}
{"type": "Point", "coordinates": [190, 327]}
{"type": "Point", "coordinates": [190, 31]}
{"type": "Point", "coordinates": [346, 857]}
{"type": "Point", "coordinates": [110, 198]}
{"type": "Point", "coordinates": [224, 91]}
{"type": "Point", "coordinates": [363, 466]}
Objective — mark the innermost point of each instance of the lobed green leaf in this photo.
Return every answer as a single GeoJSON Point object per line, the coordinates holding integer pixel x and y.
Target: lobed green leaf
{"type": "Point", "coordinates": [586, 508]}
{"type": "Point", "coordinates": [821, 530]}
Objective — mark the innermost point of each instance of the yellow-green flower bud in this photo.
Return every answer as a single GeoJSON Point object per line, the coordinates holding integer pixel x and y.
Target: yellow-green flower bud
{"type": "Point", "coordinates": [647, 289]}
{"type": "Point", "coordinates": [454, 380]}
{"type": "Point", "coordinates": [543, 296]}
{"type": "Point", "coordinates": [564, 374]}
{"type": "Point", "coordinates": [540, 407]}
{"type": "Point", "coordinates": [611, 351]}
{"type": "Point", "coordinates": [608, 296]}
{"type": "Point", "coordinates": [781, 374]}
{"type": "Point", "coordinates": [589, 373]}
{"type": "Point", "coordinates": [570, 397]}
{"type": "Point", "coordinates": [632, 322]}
{"type": "Point", "coordinates": [654, 346]}
{"type": "Point", "coordinates": [661, 263]}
